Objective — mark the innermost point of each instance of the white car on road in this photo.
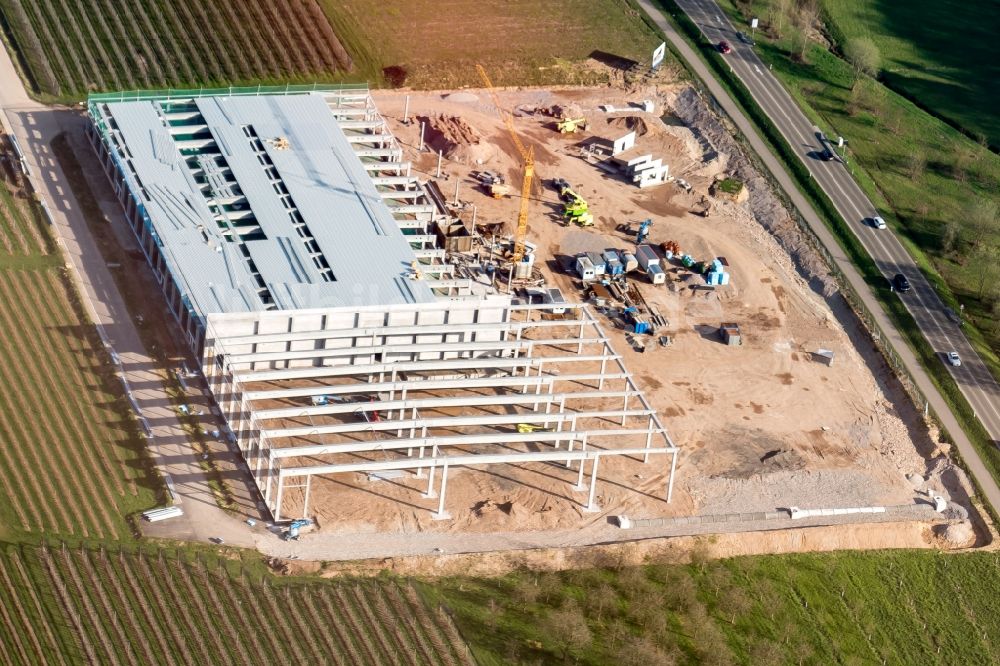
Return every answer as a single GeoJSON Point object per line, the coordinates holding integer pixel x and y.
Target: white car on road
{"type": "Point", "coordinates": [878, 222]}
{"type": "Point", "coordinates": [954, 359]}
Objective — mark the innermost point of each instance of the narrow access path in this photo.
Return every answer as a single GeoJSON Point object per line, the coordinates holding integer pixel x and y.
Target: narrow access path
{"type": "Point", "coordinates": [35, 126]}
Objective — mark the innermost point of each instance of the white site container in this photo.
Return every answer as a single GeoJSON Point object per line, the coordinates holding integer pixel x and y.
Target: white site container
{"type": "Point", "coordinates": [585, 268]}
{"type": "Point", "coordinates": [656, 274]}
{"type": "Point", "coordinates": [647, 256]}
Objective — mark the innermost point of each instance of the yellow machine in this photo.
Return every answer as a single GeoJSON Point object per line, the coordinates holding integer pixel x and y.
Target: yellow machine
{"type": "Point", "coordinates": [530, 427]}
{"type": "Point", "coordinates": [499, 190]}
{"type": "Point", "coordinates": [571, 125]}
{"type": "Point", "coordinates": [527, 154]}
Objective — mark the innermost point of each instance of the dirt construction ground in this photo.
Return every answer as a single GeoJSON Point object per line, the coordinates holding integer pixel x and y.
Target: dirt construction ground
{"type": "Point", "coordinates": [761, 426]}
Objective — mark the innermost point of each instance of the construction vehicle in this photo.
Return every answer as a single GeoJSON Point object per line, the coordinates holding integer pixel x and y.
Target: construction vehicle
{"type": "Point", "coordinates": [571, 125]}
{"type": "Point", "coordinates": [643, 231]}
{"type": "Point", "coordinates": [527, 155]}
{"type": "Point", "coordinates": [493, 184]}
{"type": "Point", "coordinates": [580, 218]}
{"type": "Point", "coordinates": [575, 208]}
{"type": "Point", "coordinates": [292, 533]}
{"type": "Point", "coordinates": [530, 427]}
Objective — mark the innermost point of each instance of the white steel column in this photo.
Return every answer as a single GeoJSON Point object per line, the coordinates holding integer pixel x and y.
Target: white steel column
{"type": "Point", "coordinates": [583, 461]}
{"type": "Point", "coordinates": [670, 483]}
{"type": "Point", "coordinates": [591, 507]}
{"type": "Point", "coordinates": [430, 475]}
{"type": "Point", "coordinates": [441, 513]}
{"type": "Point", "coordinates": [305, 504]}
{"type": "Point", "coordinates": [649, 440]}
{"type": "Point", "coordinates": [624, 408]}
{"type": "Point", "coordinates": [277, 502]}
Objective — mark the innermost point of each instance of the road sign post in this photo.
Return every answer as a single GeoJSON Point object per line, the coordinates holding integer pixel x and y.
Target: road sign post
{"type": "Point", "coordinates": [658, 54]}
{"type": "Point", "coordinates": [753, 28]}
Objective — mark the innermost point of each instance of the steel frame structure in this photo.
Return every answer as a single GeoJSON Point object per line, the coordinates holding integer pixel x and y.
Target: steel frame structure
{"type": "Point", "coordinates": [415, 388]}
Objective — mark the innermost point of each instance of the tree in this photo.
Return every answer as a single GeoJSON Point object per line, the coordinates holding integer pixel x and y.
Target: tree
{"type": "Point", "coordinates": [916, 163]}
{"type": "Point", "coordinates": [568, 628]}
{"type": "Point", "coordinates": [734, 602]}
{"type": "Point", "coordinates": [986, 258]}
{"type": "Point", "coordinates": [602, 599]}
{"type": "Point", "coordinates": [777, 14]}
{"type": "Point", "coordinates": [640, 651]}
{"type": "Point", "coordinates": [983, 218]}
{"type": "Point", "coordinates": [805, 18]}
{"type": "Point", "coordinates": [950, 237]}
{"type": "Point", "coordinates": [863, 55]}
{"type": "Point", "coordinates": [526, 592]}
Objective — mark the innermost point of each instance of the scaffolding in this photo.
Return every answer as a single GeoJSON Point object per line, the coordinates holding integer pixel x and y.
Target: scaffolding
{"type": "Point", "coordinates": [425, 389]}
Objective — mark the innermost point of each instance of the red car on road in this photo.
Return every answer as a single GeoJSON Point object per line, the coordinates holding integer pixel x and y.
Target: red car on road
{"type": "Point", "coordinates": [724, 47]}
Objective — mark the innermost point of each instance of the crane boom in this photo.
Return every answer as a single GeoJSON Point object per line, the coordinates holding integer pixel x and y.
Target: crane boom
{"type": "Point", "coordinates": [528, 157]}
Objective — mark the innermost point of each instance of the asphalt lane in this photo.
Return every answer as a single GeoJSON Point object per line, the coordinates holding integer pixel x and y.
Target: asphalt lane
{"type": "Point", "coordinates": [932, 317]}
{"type": "Point", "coordinates": [935, 320]}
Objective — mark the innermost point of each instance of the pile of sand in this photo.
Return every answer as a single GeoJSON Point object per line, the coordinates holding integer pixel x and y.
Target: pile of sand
{"type": "Point", "coordinates": [959, 534]}
{"type": "Point", "coordinates": [455, 139]}
{"type": "Point", "coordinates": [630, 124]}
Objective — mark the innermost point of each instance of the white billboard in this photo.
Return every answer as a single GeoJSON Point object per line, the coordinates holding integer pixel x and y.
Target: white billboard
{"type": "Point", "coordinates": [658, 54]}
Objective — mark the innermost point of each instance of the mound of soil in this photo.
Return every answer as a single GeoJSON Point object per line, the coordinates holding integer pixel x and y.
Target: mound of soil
{"type": "Point", "coordinates": [630, 124]}
{"type": "Point", "coordinates": [455, 139]}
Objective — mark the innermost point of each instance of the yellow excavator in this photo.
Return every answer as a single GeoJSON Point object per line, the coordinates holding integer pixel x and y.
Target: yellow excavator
{"type": "Point", "coordinates": [527, 155]}
{"type": "Point", "coordinates": [571, 125]}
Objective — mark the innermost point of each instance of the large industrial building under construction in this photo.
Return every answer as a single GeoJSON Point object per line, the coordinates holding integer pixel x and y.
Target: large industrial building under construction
{"type": "Point", "coordinates": [298, 255]}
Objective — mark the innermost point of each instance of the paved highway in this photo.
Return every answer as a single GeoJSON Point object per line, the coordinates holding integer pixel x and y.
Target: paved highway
{"type": "Point", "coordinates": [930, 313]}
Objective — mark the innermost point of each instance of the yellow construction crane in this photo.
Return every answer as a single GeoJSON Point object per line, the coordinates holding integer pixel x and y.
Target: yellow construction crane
{"type": "Point", "coordinates": [527, 155]}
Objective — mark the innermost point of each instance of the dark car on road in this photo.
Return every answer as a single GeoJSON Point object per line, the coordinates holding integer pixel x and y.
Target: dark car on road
{"type": "Point", "coordinates": [724, 47]}
{"type": "Point", "coordinates": [827, 154]}
{"type": "Point", "coordinates": [900, 283]}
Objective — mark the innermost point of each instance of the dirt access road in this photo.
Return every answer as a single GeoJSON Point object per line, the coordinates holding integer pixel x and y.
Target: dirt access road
{"type": "Point", "coordinates": [35, 126]}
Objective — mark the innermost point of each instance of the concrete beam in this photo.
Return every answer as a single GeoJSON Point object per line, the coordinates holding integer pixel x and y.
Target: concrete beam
{"type": "Point", "coordinates": [415, 366]}
{"type": "Point", "coordinates": [490, 459]}
{"type": "Point", "coordinates": [465, 440]}
{"type": "Point", "coordinates": [426, 385]}
{"type": "Point", "coordinates": [417, 403]}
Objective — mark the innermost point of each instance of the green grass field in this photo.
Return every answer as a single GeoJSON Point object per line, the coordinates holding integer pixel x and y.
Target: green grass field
{"type": "Point", "coordinates": [905, 607]}
{"type": "Point", "coordinates": [72, 462]}
{"type": "Point", "coordinates": [919, 199]}
{"type": "Point", "coordinates": [940, 53]}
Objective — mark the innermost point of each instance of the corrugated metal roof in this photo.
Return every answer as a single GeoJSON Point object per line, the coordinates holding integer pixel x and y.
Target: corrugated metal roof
{"type": "Point", "coordinates": [353, 229]}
